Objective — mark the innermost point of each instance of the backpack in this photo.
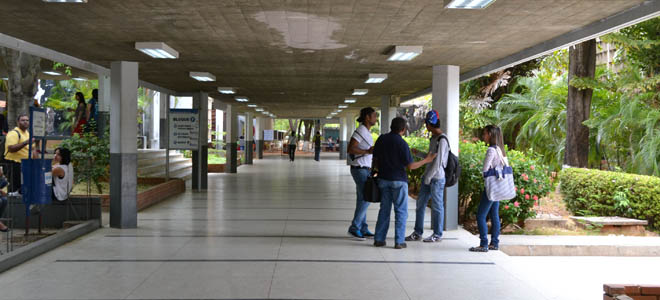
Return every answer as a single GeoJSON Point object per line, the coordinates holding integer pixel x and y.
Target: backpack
{"type": "Point", "coordinates": [452, 169]}
{"type": "Point", "coordinates": [3, 139]}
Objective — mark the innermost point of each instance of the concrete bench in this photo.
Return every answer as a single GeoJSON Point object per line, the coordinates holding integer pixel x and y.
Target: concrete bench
{"type": "Point", "coordinates": [55, 214]}
{"type": "Point", "coordinates": [614, 225]}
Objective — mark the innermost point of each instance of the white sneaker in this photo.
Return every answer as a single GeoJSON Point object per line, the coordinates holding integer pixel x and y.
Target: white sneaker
{"type": "Point", "coordinates": [433, 238]}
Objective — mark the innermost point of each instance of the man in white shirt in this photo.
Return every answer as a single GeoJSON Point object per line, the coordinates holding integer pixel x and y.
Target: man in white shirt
{"type": "Point", "coordinates": [360, 150]}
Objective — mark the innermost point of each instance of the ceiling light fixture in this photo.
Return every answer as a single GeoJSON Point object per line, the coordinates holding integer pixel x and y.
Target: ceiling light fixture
{"type": "Point", "coordinates": [328, 117]}
{"type": "Point", "coordinates": [52, 73]}
{"type": "Point", "coordinates": [405, 53]}
{"type": "Point", "coordinates": [157, 50]}
{"type": "Point", "coordinates": [5, 78]}
{"type": "Point", "coordinates": [376, 78]}
{"type": "Point", "coordinates": [342, 106]}
{"type": "Point", "coordinates": [339, 110]}
{"type": "Point", "coordinates": [227, 90]}
{"type": "Point", "coordinates": [259, 109]}
{"type": "Point", "coordinates": [65, 1]}
{"type": "Point", "coordinates": [360, 92]}
{"type": "Point", "coordinates": [242, 99]}
{"type": "Point", "coordinates": [252, 105]}
{"type": "Point", "coordinates": [202, 76]}
{"type": "Point", "coordinates": [350, 100]}
{"type": "Point", "coordinates": [469, 4]}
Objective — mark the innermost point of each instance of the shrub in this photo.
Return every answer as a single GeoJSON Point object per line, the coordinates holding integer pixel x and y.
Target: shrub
{"type": "Point", "coordinates": [603, 193]}
{"type": "Point", "coordinates": [532, 180]}
{"type": "Point", "coordinates": [90, 156]}
{"type": "Point", "coordinates": [418, 148]}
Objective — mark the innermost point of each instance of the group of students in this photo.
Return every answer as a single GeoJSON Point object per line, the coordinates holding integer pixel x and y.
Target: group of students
{"type": "Point", "coordinates": [389, 157]}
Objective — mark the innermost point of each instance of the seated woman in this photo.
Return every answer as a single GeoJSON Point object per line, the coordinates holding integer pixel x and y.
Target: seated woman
{"type": "Point", "coordinates": [62, 174]}
{"type": "Point", "coordinates": [3, 198]}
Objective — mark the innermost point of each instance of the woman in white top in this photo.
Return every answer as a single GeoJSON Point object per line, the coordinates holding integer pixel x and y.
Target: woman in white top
{"type": "Point", "coordinates": [492, 135]}
{"type": "Point", "coordinates": [62, 174]}
{"type": "Point", "coordinates": [293, 143]}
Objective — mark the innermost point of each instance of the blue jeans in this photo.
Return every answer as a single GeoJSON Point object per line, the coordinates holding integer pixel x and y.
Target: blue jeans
{"type": "Point", "coordinates": [435, 191]}
{"type": "Point", "coordinates": [486, 208]}
{"type": "Point", "coordinates": [360, 216]}
{"type": "Point", "coordinates": [392, 192]}
{"type": "Point", "coordinates": [317, 154]}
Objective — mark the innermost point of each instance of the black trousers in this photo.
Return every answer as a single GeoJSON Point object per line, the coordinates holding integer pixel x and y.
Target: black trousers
{"type": "Point", "coordinates": [292, 152]}
{"type": "Point", "coordinates": [14, 176]}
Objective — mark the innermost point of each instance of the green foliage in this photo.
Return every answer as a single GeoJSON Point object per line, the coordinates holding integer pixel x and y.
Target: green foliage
{"type": "Point", "coordinates": [90, 156]}
{"type": "Point", "coordinates": [640, 45]}
{"type": "Point", "coordinates": [67, 69]}
{"type": "Point", "coordinates": [603, 193]}
{"type": "Point", "coordinates": [281, 124]}
{"type": "Point", "coordinates": [419, 146]}
{"type": "Point", "coordinates": [63, 98]}
{"type": "Point", "coordinates": [532, 179]}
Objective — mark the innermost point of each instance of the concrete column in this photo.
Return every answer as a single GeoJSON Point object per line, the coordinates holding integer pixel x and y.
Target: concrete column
{"type": "Point", "coordinates": [231, 127]}
{"type": "Point", "coordinates": [249, 138]}
{"type": "Point", "coordinates": [388, 109]}
{"type": "Point", "coordinates": [201, 155]}
{"type": "Point", "coordinates": [259, 130]}
{"type": "Point", "coordinates": [349, 133]}
{"type": "Point", "coordinates": [164, 126]}
{"type": "Point", "coordinates": [445, 92]}
{"type": "Point", "coordinates": [123, 145]}
{"type": "Point", "coordinates": [343, 136]}
{"type": "Point", "coordinates": [104, 102]}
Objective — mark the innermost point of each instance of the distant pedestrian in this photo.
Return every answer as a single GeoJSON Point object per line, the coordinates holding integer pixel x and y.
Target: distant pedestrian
{"type": "Point", "coordinates": [392, 157]}
{"type": "Point", "coordinates": [360, 151]}
{"type": "Point", "coordinates": [317, 146]}
{"type": "Point", "coordinates": [433, 183]}
{"type": "Point", "coordinates": [495, 158]}
{"type": "Point", "coordinates": [92, 112]}
{"type": "Point", "coordinates": [293, 143]}
{"type": "Point", "coordinates": [79, 119]}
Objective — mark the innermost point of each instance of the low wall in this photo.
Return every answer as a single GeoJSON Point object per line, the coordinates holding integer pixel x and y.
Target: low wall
{"type": "Point", "coordinates": [216, 168]}
{"type": "Point", "coordinates": [77, 208]}
{"type": "Point", "coordinates": [155, 194]}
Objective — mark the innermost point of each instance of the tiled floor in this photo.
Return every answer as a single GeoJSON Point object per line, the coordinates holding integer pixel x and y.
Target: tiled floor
{"type": "Point", "coordinates": [274, 230]}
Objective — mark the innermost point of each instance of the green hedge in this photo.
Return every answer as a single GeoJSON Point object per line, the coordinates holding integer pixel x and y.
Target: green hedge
{"type": "Point", "coordinates": [601, 193]}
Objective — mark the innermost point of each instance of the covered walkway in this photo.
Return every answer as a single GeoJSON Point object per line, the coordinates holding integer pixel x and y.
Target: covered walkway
{"type": "Point", "coordinates": [274, 230]}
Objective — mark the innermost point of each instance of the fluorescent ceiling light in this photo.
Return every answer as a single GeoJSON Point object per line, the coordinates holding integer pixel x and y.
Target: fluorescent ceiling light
{"type": "Point", "coordinates": [342, 106]}
{"type": "Point", "coordinates": [328, 117]}
{"type": "Point", "coordinates": [241, 99]}
{"type": "Point", "coordinates": [339, 110]}
{"type": "Point", "coordinates": [202, 76]}
{"type": "Point", "coordinates": [52, 73]}
{"type": "Point", "coordinates": [350, 100]}
{"type": "Point", "coordinates": [79, 78]}
{"type": "Point", "coordinates": [360, 92]}
{"type": "Point", "coordinates": [259, 109]}
{"type": "Point", "coordinates": [469, 4]}
{"type": "Point", "coordinates": [157, 49]}
{"type": "Point", "coordinates": [252, 105]}
{"type": "Point", "coordinates": [65, 1]}
{"type": "Point", "coordinates": [5, 78]}
{"type": "Point", "coordinates": [405, 53]}
{"type": "Point", "coordinates": [376, 78]}
{"type": "Point", "coordinates": [226, 90]}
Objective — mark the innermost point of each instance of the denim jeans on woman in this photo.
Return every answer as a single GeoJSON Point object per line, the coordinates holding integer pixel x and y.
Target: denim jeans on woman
{"type": "Point", "coordinates": [435, 191]}
{"type": "Point", "coordinates": [492, 209]}
{"type": "Point", "coordinates": [359, 222]}
{"type": "Point", "coordinates": [392, 193]}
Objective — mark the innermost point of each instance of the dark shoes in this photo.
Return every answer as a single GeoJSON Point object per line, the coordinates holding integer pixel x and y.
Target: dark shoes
{"type": "Point", "coordinates": [479, 249]}
{"type": "Point", "coordinates": [356, 234]}
{"type": "Point", "coordinates": [379, 244]}
{"type": "Point", "coordinates": [413, 237]}
{"type": "Point", "coordinates": [368, 234]}
{"type": "Point", "coordinates": [493, 247]}
{"type": "Point", "coordinates": [400, 246]}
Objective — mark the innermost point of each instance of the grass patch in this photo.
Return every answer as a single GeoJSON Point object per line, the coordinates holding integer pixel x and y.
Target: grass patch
{"type": "Point", "coordinates": [216, 159]}
{"type": "Point", "coordinates": [81, 188]}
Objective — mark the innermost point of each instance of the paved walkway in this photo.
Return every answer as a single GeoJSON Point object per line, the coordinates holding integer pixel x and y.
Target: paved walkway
{"type": "Point", "coordinates": [274, 230]}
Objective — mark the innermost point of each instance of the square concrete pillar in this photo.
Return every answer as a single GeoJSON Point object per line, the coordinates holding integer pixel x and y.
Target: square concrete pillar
{"type": "Point", "coordinates": [200, 156]}
{"type": "Point", "coordinates": [231, 125]}
{"type": "Point", "coordinates": [343, 136]}
{"type": "Point", "coordinates": [259, 130]}
{"type": "Point", "coordinates": [350, 129]}
{"type": "Point", "coordinates": [104, 103]}
{"type": "Point", "coordinates": [164, 125]}
{"type": "Point", "coordinates": [388, 110]}
{"type": "Point", "coordinates": [123, 145]}
{"type": "Point", "coordinates": [249, 138]}
{"type": "Point", "coordinates": [445, 90]}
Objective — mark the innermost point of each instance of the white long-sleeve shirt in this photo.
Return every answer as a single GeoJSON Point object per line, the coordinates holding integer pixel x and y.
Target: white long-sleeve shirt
{"type": "Point", "coordinates": [436, 169]}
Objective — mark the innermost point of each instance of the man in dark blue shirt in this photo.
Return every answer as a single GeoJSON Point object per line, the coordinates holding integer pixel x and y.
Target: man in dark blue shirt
{"type": "Point", "coordinates": [391, 158]}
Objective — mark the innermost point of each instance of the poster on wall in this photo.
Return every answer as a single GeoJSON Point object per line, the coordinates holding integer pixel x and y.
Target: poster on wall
{"type": "Point", "coordinates": [184, 129]}
{"type": "Point", "coordinates": [268, 135]}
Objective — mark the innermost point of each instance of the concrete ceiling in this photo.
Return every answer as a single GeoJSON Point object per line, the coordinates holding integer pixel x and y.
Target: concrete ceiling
{"type": "Point", "coordinates": [297, 58]}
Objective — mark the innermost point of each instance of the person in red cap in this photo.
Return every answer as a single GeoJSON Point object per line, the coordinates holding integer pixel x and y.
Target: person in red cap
{"type": "Point", "coordinates": [433, 183]}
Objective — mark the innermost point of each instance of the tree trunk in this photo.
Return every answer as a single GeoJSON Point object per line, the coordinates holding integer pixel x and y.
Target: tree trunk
{"type": "Point", "coordinates": [309, 124]}
{"type": "Point", "coordinates": [582, 64]}
{"type": "Point", "coordinates": [22, 69]}
{"type": "Point", "coordinates": [293, 124]}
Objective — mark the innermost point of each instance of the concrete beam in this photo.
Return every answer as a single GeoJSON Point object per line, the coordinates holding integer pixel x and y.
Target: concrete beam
{"type": "Point", "coordinates": [632, 16]}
